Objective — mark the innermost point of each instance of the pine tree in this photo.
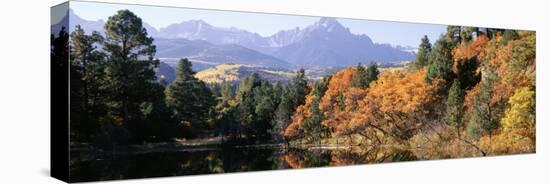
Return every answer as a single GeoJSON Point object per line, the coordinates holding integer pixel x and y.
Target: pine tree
{"type": "Point", "coordinates": [360, 80]}
{"type": "Point", "coordinates": [277, 92]}
{"type": "Point", "coordinates": [484, 120]}
{"type": "Point", "coordinates": [265, 106]}
{"type": "Point", "coordinates": [300, 90]}
{"type": "Point", "coordinates": [190, 98]}
{"type": "Point", "coordinates": [227, 91]}
{"type": "Point", "coordinates": [455, 106]}
{"type": "Point", "coordinates": [87, 74]}
{"type": "Point", "coordinates": [256, 107]}
{"type": "Point", "coordinates": [129, 72]}
{"type": "Point", "coordinates": [247, 84]}
{"type": "Point", "coordinates": [312, 125]}
{"type": "Point", "coordinates": [440, 62]}
{"type": "Point", "coordinates": [372, 73]}
{"type": "Point", "coordinates": [424, 50]}
{"type": "Point", "coordinates": [284, 109]}
{"type": "Point", "coordinates": [363, 77]}
{"type": "Point", "coordinates": [59, 52]}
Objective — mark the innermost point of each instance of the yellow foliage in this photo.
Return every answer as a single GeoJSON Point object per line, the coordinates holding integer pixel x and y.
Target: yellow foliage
{"type": "Point", "coordinates": [294, 128]}
{"type": "Point", "coordinates": [520, 118]}
{"type": "Point", "coordinates": [398, 108]}
{"type": "Point", "coordinates": [401, 92]}
{"type": "Point", "coordinates": [506, 143]}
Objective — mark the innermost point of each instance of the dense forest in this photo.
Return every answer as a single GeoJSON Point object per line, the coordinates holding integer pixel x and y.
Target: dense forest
{"type": "Point", "coordinates": [471, 93]}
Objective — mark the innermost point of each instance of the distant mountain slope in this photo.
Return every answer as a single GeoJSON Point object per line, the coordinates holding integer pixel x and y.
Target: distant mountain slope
{"type": "Point", "coordinates": [325, 43]}
{"type": "Point", "coordinates": [55, 27]}
{"type": "Point", "coordinates": [328, 43]}
{"type": "Point", "coordinates": [98, 25]}
{"type": "Point", "coordinates": [236, 72]}
{"type": "Point", "coordinates": [165, 72]}
{"type": "Point", "coordinates": [216, 54]}
{"type": "Point", "coordinates": [200, 30]}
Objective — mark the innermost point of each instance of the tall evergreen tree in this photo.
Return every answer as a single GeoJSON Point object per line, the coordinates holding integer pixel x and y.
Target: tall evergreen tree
{"type": "Point", "coordinates": [265, 106]}
{"type": "Point", "coordinates": [277, 92]}
{"type": "Point", "coordinates": [424, 50]}
{"type": "Point", "coordinates": [227, 92]}
{"type": "Point", "coordinates": [256, 107]}
{"type": "Point", "coordinates": [359, 80]}
{"type": "Point", "coordinates": [455, 106]}
{"type": "Point", "coordinates": [247, 84]}
{"type": "Point", "coordinates": [484, 120]}
{"type": "Point", "coordinates": [190, 98]}
{"type": "Point", "coordinates": [59, 51]}
{"type": "Point", "coordinates": [440, 62]}
{"type": "Point", "coordinates": [291, 96]}
{"type": "Point", "coordinates": [300, 89]}
{"type": "Point", "coordinates": [285, 108]}
{"type": "Point", "coordinates": [372, 72]}
{"type": "Point", "coordinates": [365, 76]}
{"type": "Point", "coordinates": [129, 71]}
{"type": "Point", "coordinates": [312, 125]}
{"type": "Point", "coordinates": [87, 74]}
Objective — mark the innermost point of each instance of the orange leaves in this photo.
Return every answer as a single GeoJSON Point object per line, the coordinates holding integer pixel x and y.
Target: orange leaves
{"type": "Point", "coordinates": [335, 97]}
{"type": "Point", "coordinates": [400, 106]}
{"type": "Point", "coordinates": [467, 51]}
{"type": "Point", "coordinates": [401, 92]}
{"type": "Point", "coordinates": [513, 63]}
{"type": "Point", "coordinates": [395, 102]}
{"type": "Point", "coordinates": [339, 83]}
{"type": "Point", "coordinates": [294, 129]}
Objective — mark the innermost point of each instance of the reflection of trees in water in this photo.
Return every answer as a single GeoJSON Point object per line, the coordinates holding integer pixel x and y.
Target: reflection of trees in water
{"type": "Point", "coordinates": [147, 165]}
{"type": "Point", "coordinates": [302, 158]}
{"type": "Point", "coordinates": [226, 160]}
{"type": "Point", "coordinates": [176, 164]}
{"type": "Point", "coordinates": [236, 160]}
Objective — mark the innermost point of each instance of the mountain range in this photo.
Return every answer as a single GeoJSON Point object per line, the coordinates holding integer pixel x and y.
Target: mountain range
{"type": "Point", "coordinates": [320, 47]}
{"type": "Point", "coordinates": [324, 43]}
{"type": "Point", "coordinates": [208, 53]}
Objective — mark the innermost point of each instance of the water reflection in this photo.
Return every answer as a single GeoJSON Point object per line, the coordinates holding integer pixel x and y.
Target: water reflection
{"type": "Point", "coordinates": [226, 160]}
{"type": "Point", "coordinates": [298, 158]}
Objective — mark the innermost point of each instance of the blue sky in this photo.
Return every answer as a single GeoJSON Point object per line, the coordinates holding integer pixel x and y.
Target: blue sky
{"type": "Point", "coordinates": [395, 33]}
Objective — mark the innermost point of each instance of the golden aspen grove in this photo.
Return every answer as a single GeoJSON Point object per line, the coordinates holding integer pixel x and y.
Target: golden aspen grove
{"type": "Point", "coordinates": [496, 76]}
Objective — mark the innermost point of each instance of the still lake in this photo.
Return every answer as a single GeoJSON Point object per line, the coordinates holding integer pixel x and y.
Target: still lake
{"type": "Point", "coordinates": [226, 160]}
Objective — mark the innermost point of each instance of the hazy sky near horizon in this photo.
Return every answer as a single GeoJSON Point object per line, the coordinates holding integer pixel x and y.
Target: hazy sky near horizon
{"type": "Point", "coordinates": [395, 33]}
